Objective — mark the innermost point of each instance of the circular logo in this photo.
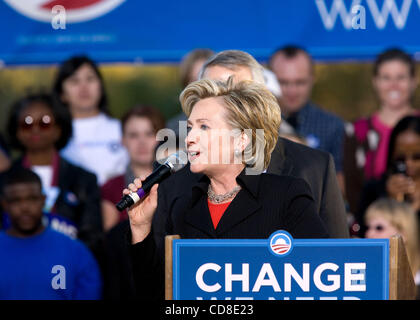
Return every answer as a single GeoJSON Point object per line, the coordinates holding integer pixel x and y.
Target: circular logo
{"type": "Point", "coordinates": [280, 243]}
{"type": "Point", "coordinates": [76, 10]}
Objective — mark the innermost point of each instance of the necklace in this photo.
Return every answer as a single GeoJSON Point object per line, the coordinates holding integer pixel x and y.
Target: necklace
{"type": "Point", "coordinates": [219, 198]}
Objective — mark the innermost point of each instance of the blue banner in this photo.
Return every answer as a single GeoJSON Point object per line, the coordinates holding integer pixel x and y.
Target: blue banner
{"type": "Point", "coordinates": [281, 268]}
{"type": "Point", "coordinates": [49, 31]}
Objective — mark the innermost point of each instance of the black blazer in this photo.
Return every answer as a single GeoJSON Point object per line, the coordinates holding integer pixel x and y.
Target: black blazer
{"type": "Point", "coordinates": [315, 167]}
{"type": "Point", "coordinates": [87, 213]}
{"type": "Point", "coordinates": [266, 203]}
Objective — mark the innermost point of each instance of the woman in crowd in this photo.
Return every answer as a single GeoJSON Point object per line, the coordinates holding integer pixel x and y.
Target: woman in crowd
{"type": "Point", "coordinates": [39, 128]}
{"type": "Point", "coordinates": [139, 128]}
{"type": "Point", "coordinates": [385, 218]}
{"type": "Point", "coordinates": [96, 142]}
{"type": "Point", "coordinates": [231, 199]}
{"type": "Point", "coordinates": [367, 140]}
{"type": "Point", "coordinates": [401, 180]}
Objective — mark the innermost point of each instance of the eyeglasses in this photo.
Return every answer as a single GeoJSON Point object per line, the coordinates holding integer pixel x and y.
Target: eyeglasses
{"type": "Point", "coordinates": [378, 227]}
{"type": "Point", "coordinates": [28, 123]}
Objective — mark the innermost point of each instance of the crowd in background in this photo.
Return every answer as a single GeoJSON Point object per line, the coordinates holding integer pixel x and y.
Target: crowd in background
{"type": "Point", "coordinates": [74, 159]}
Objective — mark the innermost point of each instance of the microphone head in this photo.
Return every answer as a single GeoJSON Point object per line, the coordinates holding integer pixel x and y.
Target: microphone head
{"type": "Point", "coordinates": [177, 161]}
{"type": "Point", "coordinates": [123, 204]}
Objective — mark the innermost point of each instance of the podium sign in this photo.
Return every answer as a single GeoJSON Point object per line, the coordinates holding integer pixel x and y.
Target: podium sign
{"type": "Point", "coordinates": [281, 268]}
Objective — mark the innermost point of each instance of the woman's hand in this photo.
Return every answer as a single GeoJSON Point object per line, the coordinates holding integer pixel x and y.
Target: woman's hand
{"type": "Point", "coordinates": [398, 185]}
{"type": "Point", "coordinates": [141, 213]}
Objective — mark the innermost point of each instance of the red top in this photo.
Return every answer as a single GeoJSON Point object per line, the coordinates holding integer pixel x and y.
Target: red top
{"type": "Point", "coordinates": [112, 190]}
{"type": "Point", "coordinates": [217, 211]}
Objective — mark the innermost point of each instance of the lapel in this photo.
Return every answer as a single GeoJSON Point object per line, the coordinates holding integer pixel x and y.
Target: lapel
{"type": "Point", "coordinates": [243, 205]}
{"type": "Point", "coordinates": [279, 163]}
{"type": "Point", "coordinates": [198, 214]}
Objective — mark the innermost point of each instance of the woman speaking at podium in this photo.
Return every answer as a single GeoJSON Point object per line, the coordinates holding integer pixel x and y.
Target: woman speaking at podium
{"type": "Point", "coordinates": [232, 130]}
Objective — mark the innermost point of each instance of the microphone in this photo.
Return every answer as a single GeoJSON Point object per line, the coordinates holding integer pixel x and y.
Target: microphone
{"type": "Point", "coordinates": [172, 164]}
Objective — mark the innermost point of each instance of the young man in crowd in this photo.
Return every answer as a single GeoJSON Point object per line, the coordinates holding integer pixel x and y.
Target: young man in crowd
{"type": "Point", "coordinates": [38, 263]}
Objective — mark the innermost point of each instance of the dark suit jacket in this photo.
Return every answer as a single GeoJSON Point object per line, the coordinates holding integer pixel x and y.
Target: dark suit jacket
{"type": "Point", "coordinates": [87, 213]}
{"type": "Point", "coordinates": [265, 204]}
{"type": "Point", "coordinates": [317, 168]}
{"type": "Point", "coordinates": [117, 271]}
{"type": "Point", "coordinates": [256, 211]}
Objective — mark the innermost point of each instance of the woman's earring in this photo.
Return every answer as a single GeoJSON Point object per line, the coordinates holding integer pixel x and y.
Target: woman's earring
{"type": "Point", "coordinates": [237, 153]}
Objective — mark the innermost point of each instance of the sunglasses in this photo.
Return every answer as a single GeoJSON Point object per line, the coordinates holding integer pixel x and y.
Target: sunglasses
{"type": "Point", "coordinates": [28, 123]}
{"type": "Point", "coordinates": [378, 227]}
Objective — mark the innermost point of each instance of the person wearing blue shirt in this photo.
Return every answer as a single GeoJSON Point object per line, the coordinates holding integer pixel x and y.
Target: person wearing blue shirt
{"type": "Point", "coordinates": [37, 262]}
{"type": "Point", "coordinates": [323, 130]}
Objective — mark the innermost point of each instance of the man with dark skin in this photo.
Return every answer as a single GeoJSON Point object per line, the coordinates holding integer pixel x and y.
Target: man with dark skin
{"type": "Point", "coordinates": [24, 203]}
{"type": "Point", "coordinates": [38, 262]}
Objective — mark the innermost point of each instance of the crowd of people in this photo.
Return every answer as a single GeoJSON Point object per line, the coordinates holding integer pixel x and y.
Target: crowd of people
{"type": "Point", "coordinates": [338, 179]}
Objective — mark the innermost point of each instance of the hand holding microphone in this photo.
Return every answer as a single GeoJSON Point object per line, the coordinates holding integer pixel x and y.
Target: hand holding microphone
{"type": "Point", "coordinates": [141, 196]}
{"type": "Point", "coordinates": [141, 213]}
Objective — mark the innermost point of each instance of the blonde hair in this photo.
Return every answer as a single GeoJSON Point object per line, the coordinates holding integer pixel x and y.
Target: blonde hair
{"type": "Point", "coordinates": [248, 105]}
{"type": "Point", "coordinates": [403, 217]}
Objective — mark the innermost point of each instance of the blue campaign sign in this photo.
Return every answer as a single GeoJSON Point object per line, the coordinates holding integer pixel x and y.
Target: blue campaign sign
{"type": "Point", "coordinates": [49, 31]}
{"type": "Point", "coordinates": [281, 268]}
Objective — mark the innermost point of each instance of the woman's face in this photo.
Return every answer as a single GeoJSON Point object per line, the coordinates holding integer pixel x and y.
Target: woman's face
{"type": "Point", "coordinates": [210, 141]}
{"type": "Point", "coordinates": [36, 127]}
{"type": "Point", "coordinates": [140, 140]}
{"type": "Point", "coordinates": [82, 90]}
{"type": "Point", "coordinates": [407, 149]}
{"type": "Point", "coordinates": [380, 228]}
{"type": "Point", "coordinates": [394, 84]}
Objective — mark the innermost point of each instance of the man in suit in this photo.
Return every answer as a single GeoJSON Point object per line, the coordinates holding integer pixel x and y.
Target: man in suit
{"type": "Point", "coordinates": [321, 129]}
{"type": "Point", "coordinates": [288, 158]}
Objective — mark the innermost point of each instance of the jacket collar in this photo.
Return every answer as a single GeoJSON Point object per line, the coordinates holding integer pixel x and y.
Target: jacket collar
{"type": "Point", "coordinates": [243, 205]}
{"type": "Point", "coordinates": [246, 181]}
